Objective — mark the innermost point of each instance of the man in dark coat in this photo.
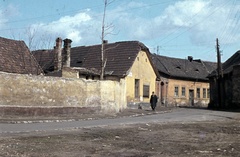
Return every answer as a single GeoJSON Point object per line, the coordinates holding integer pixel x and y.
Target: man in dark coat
{"type": "Point", "coordinates": [153, 101]}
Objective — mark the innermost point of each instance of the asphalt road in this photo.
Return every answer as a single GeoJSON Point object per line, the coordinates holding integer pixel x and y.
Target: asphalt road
{"type": "Point", "coordinates": [177, 115]}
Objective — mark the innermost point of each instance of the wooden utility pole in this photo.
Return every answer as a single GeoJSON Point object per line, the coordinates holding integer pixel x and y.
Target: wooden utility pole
{"type": "Point", "coordinates": [103, 64]}
{"type": "Point", "coordinates": [220, 75]}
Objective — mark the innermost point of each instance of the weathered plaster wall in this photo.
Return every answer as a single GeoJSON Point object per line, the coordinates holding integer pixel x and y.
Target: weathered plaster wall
{"type": "Point", "coordinates": [69, 73]}
{"type": "Point", "coordinates": [143, 71]}
{"type": "Point", "coordinates": [28, 90]}
{"type": "Point", "coordinates": [184, 100]}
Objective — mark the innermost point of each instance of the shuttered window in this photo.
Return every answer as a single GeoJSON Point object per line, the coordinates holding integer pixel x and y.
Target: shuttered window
{"type": "Point", "coordinates": [146, 91]}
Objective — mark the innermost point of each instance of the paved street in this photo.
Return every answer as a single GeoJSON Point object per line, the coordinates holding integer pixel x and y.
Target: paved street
{"type": "Point", "coordinates": [177, 115]}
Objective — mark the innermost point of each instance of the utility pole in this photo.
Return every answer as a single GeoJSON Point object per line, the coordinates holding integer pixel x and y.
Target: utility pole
{"type": "Point", "coordinates": [220, 75]}
{"type": "Point", "coordinates": [103, 61]}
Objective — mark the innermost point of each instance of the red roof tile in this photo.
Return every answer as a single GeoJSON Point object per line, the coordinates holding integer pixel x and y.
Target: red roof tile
{"type": "Point", "coordinates": [15, 57]}
{"type": "Point", "coordinates": [120, 57]}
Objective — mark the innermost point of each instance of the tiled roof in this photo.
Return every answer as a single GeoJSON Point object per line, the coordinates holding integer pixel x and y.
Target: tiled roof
{"type": "Point", "coordinates": [228, 65]}
{"type": "Point", "coordinates": [183, 68]}
{"type": "Point", "coordinates": [15, 57]}
{"type": "Point", "coordinates": [45, 59]}
{"type": "Point", "coordinates": [120, 57]}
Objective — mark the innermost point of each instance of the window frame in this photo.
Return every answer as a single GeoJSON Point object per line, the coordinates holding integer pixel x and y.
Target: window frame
{"type": "Point", "coordinates": [184, 95]}
{"type": "Point", "coordinates": [176, 91]}
{"type": "Point", "coordinates": [208, 93]}
{"type": "Point", "coordinates": [146, 90]}
{"type": "Point", "coordinates": [204, 93]}
{"type": "Point", "coordinates": [198, 93]}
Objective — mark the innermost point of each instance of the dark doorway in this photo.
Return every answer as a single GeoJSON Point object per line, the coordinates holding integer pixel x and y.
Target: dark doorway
{"type": "Point", "coordinates": [191, 97]}
{"type": "Point", "coordinates": [162, 93]}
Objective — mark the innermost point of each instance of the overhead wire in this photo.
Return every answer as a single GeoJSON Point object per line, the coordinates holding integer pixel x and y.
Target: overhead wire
{"type": "Point", "coordinates": [97, 15]}
{"type": "Point", "coordinates": [209, 15]}
{"type": "Point", "coordinates": [185, 31]}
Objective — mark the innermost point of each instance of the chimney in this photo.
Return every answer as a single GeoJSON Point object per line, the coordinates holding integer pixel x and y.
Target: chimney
{"type": "Point", "coordinates": [190, 58]}
{"type": "Point", "coordinates": [66, 52]}
{"type": "Point", "coordinates": [58, 54]}
{"type": "Point", "coordinates": [105, 41]}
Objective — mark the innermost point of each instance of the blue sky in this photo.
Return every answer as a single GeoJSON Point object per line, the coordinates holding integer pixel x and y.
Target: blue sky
{"type": "Point", "coordinates": [175, 28]}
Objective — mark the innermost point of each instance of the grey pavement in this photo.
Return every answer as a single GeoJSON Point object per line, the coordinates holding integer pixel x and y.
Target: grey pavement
{"type": "Point", "coordinates": [177, 115]}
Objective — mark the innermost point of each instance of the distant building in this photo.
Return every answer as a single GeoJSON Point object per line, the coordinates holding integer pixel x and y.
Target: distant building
{"type": "Point", "coordinates": [15, 57]}
{"type": "Point", "coordinates": [229, 93]}
{"type": "Point", "coordinates": [184, 82]}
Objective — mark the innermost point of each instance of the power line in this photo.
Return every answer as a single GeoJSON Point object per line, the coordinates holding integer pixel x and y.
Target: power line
{"type": "Point", "coordinates": [209, 15]}
{"type": "Point", "coordinates": [96, 15]}
{"type": "Point", "coordinates": [75, 11]}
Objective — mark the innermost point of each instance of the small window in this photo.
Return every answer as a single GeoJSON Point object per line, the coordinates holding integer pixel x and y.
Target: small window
{"type": "Point", "coordinates": [183, 91]}
{"type": "Point", "coordinates": [198, 93]}
{"type": "Point", "coordinates": [146, 91]}
{"type": "Point", "coordinates": [208, 93]}
{"type": "Point", "coordinates": [137, 83]}
{"type": "Point", "coordinates": [176, 91]}
{"type": "Point", "coordinates": [204, 93]}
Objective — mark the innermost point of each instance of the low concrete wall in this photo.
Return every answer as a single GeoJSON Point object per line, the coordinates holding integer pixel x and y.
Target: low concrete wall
{"type": "Point", "coordinates": [41, 91]}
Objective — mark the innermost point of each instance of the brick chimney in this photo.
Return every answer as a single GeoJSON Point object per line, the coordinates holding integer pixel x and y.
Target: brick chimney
{"type": "Point", "coordinates": [190, 58]}
{"type": "Point", "coordinates": [66, 52]}
{"type": "Point", "coordinates": [58, 55]}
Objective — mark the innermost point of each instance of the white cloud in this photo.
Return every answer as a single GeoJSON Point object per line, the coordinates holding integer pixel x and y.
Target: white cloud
{"type": "Point", "coordinates": [203, 20]}
{"type": "Point", "coordinates": [72, 27]}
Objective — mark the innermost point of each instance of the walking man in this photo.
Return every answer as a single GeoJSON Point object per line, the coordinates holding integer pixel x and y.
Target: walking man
{"type": "Point", "coordinates": [153, 101]}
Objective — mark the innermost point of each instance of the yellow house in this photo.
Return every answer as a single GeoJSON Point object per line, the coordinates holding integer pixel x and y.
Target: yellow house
{"type": "Point", "coordinates": [141, 78]}
{"type": "Point", "coordinates": [184, 82]}
{"type": "Point", "coordinates": [128, 62]}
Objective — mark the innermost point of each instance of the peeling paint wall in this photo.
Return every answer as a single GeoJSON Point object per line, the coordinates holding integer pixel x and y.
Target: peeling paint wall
{"type": "Point", "coordinates": [29, 90]}
{"type": "Point", "coordinates": [144, 72]}
{"type": "Point", "coordinates": [183, 100]}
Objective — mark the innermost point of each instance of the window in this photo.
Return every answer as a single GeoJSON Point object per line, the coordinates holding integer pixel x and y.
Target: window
{"type": "Point", "coordinates": [204, 93]}
{"type": "Point", "coordinates": [198, 93]}
{"type": "Point", "coordinates": [146, 91]}
{"type": "Point", "coordinates": [137, 82]}
{"type": "Point", "coordinates": [183, 92]}
{"type": "Point", "coordinates": [176, 91]}
{"type": "Point", "coordinates": [208, 93]}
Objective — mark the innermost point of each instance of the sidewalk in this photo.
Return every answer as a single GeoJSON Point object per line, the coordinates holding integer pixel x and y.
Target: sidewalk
{"type": "Point", "coordinates": [90, 116]}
